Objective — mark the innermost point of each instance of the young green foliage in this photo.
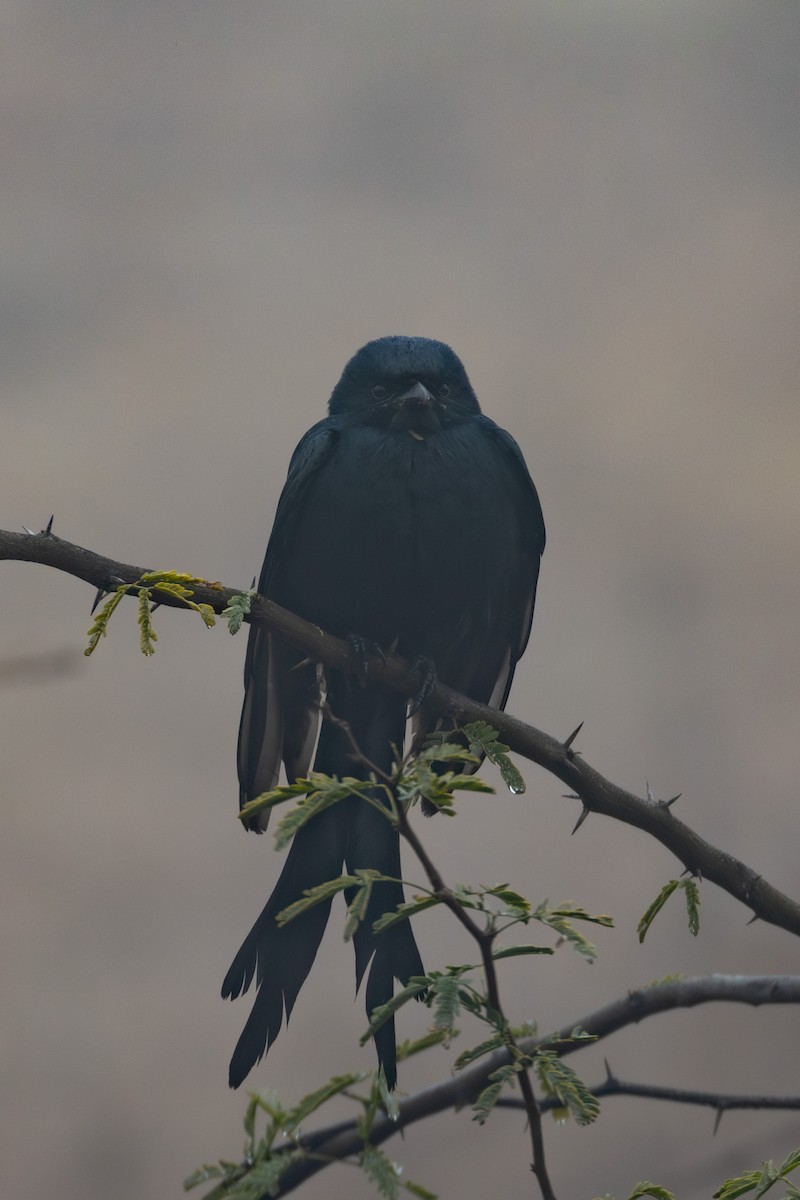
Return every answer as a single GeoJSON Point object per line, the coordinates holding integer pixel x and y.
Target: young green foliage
{"type": "Point", "coordinates": [759, 1182]}
{"type": "Point", "coordinates": [486, 1101]}
{"type": "Point", "coordinates": [558, 1079]}
{"type": "Point", "coordinates": [482, 739]}
{"type": "Point", "coordinates": [691, 894]}
{"type": "Point", "coordinates": [421, 776]}
{"type": "Point", "coordinates": [171, 583]}
{"type": "Point", "coordinates": [560, 920]}
{"type": "Point", "coordinates": [322, 792]}
{"type": "Point", "coordinates": [266, 1159]}
{"type": "Point", "coordinates": [238, 607]}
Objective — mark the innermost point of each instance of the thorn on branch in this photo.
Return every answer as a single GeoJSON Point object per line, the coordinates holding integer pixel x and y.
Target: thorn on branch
{"type": "Point", "coordinates": [584, 814]}
{"type": "Point", "coordinates": [717, 1119]}
{"type": "Point", "coordinates": [669, 803]}
{"type": "Point", "coordinates": [568, 743]}
{"type": "Point", "coordinates": [49, 526]}
{"type": "Point", "coordinates": [28, 531]}
{"type": "Point", "coordinates": [111, 583]}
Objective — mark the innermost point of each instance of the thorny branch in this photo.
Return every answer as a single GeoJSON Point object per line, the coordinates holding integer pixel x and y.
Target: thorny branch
{"type": "Point", "coordinates": [596, 793]}
{"type": "Point", "coordinates": [343, 1139]}
{"type": "Point", "coordinates": [484, 938]}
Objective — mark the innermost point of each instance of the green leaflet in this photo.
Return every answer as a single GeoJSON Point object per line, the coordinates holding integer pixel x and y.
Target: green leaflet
{"type": "Point", "coordinates": [238, 607]}
{"type": "Point", "coordinates": [692, 897]}
{"type": "Point", "coordinates": [558, 1079]}
{"type": "Point", "coordinates": [378, 1016]}
{"type": "Point", "coordinates": [381, 1171]}
{"type": "Point", "coordinates": [316, 895]}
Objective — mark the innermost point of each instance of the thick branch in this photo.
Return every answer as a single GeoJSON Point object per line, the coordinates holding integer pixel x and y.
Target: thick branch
{"type": "Point", "coordinates": [597, 793]}
{"type": "Point", "coordinates": [461, 1090]}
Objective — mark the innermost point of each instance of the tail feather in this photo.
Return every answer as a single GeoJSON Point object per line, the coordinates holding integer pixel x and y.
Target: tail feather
{"type": "Point", "coordinates": [279, 958]}
{"type": "Point", "coordinates": [394, 953]}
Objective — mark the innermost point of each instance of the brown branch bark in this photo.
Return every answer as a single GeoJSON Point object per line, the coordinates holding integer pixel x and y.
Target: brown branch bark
{"type": "Point", "coordinates": [598, 794]}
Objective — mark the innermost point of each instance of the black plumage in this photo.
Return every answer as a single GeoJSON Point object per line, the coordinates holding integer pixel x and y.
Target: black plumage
{"type": "Point", "coordinates": [408, 519]}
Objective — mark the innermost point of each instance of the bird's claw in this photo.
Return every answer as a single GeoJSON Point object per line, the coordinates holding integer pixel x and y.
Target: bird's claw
{"type": "Point", "coordinates": [426, 668]}
{"type": "Point", "coordinates": [360, 651]}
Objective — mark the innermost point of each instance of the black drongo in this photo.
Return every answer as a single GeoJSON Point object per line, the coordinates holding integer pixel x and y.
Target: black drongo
{"type": "Point", "coordinates": [408, 520]}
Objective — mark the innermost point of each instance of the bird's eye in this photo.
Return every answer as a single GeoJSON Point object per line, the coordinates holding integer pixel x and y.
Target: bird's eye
{"type": "Point", "coordinates": [379, 392]}
{"type": "Point", "coordinates": [444, 390]}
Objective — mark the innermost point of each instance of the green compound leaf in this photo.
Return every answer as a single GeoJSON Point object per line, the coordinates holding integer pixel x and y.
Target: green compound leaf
{"type": "Point", "coordinates": [404, 911]}
{"type": "Point", "coordinates": [328, 791]}
{"type": "Point", "coordinates": [238, 607]}
{"type": "Point", "coordinates": [147, 635]}
{"type": "Point", "coordinates": [650, 1189]}
{"type": "Point", "coordinates": [692, 893]}
{"type": "Point", "coordinates": [560, 921]}
{"type": "Point", "coordinates": [416, 985]}
{"type": "Point", "coordinates": [560, 1081]}
{"type": "Point", "coordinates": [692, 897]}
{"type": "Point", "coordinates": [486, 1101]}
{"type": "Point", "coordinates": [316, 895]}
{"type": "Point", "coordinates": [381, 1171]}
{"type": "Point", "coordinates": [99, 627]}
{"type": "Point", "coordinates": [482, 739]}
{"type": "Point", "coordinates": [517, 951]}
{"type": "Point", "coordinates": [475, 1052]}
{"type": "Point", "coordinates": [314, 1100]}
{"type": "Point", "coordinates": [435, 1038]}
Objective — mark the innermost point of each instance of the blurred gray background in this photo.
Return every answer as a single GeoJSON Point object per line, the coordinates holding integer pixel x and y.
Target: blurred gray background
{"type": "Point", "coordinates": [207, 207]}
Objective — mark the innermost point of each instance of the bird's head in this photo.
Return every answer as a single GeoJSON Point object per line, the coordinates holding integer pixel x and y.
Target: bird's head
{"type": "Point", "coordinates": [406, 384]}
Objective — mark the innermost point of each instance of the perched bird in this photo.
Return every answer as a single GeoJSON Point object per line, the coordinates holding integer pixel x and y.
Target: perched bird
{"type": "Point", "coordinates": [408, 521]}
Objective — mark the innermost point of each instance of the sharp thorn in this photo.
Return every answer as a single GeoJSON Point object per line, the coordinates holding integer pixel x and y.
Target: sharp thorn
{"type": "Point", "coordinates": [572, 736]}
{"type": "Point", "coordinates": [253, 584]}
{"type": "Point", "coordinates": [669, 803]}
{"type": "Point", "coordinates": [101, 592]}
{"type": "Point", "coordinates": [29, 531]}
{"type": "Point", "coordinates": [755, 917]}
{"type": "Point", "coordinates": [570, 796]}
{"type": "Point", "coordinates": [718, 1118]}
{"type": "Point", "coordinates": [49, 526]}
{"type": "Point", "coordinates": [651, 798]}
{"type": "Point", "coordinates": [584, 814]}
{"type": "Point", "coordinates": [609, 1073]}
{"type": "Point", "coordinates": [156, 604]}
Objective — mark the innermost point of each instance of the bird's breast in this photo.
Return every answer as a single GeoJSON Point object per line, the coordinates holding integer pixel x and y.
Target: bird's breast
{"type": "Point", "coordinates": [391, 532]}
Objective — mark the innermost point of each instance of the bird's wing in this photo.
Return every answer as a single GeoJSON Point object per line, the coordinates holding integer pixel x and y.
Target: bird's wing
{"type": "Point", "coordinates": [532, 548]}
{"type": "Point", "coordinates": [483, 664]}
{"type": "Point", "coordinates": [281, 698]}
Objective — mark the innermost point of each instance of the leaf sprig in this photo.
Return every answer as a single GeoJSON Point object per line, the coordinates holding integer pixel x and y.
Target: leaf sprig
{"type": "Point", "coordinates": [169, 583]}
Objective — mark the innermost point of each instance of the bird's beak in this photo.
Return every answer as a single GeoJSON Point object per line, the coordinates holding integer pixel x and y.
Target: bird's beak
{"type": "Point", "coordinates": [417, 394]}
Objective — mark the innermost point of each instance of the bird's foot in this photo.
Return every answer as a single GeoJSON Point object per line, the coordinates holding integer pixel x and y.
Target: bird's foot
{"type": "Point", "coordinates": [426, 668]}
{"type": "Point", "coordinates": [361, 649]}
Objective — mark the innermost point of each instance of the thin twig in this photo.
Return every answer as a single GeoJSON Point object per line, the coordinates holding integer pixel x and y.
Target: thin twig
{"type": "Point", "coordinates": [483, 937]}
